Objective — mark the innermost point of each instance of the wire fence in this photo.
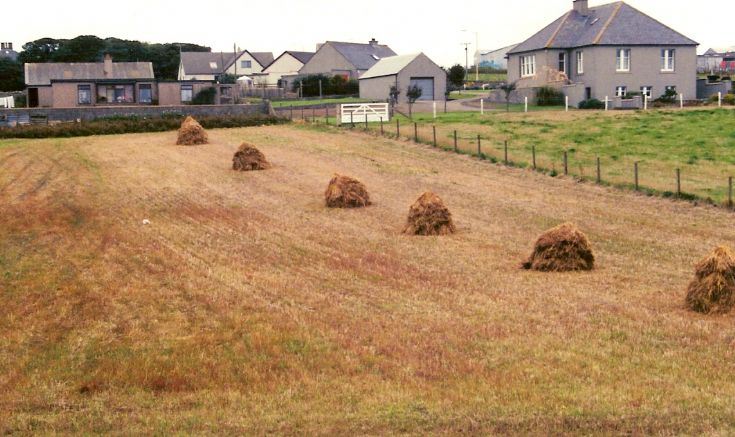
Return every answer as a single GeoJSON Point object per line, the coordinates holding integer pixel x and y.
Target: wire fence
{"type": "Point", "coordinates": [649, 176]}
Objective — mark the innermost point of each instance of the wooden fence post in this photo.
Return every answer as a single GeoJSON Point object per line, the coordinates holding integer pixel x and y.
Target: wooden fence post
{"type": "Point", "coordinates": [366, 122]}
{"type": "Point", "coordinates": [505, 149]}
{"type": "Point", "coordinates": [456, 150]}
{"type": "Point", "coordinates": [729, 192]}
{"type": "Point", "coordinates": [566, 163]}
{"type": "Point", "coordinates": [599, 172]}
{"type": "Point", "coordinates": [533, 157]}
{"type": "Point", "coordinates": [398, 128]}
{"type": "Point", "coordinates": [635, 172]}
{"type": "Point", "coordinates": [326, 117]}
{"type": "Point", "coordinates": [303, 117]}
{"type": "Point", "coordinates": [479, 146]}
{"type": "Point", "coordinates": [381, 126]}
{"type": "Point", "coordinates": [291, 112]}
{"type": "Point", "coordinates": [678, 182]}
{"type": "Point", "coordinates": [352, 120]}
{"type": "Point", "coordinates": [415, 132]}
{"type": "Point", "coordinates": [433, 128]}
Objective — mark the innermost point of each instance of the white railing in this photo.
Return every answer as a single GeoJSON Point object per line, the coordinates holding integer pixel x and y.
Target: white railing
{"type": "Point", "coordinates": [360, 112]}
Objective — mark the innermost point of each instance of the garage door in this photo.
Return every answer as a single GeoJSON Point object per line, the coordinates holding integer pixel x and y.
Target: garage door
{"type": "Point", "coordinates": [427, 87]}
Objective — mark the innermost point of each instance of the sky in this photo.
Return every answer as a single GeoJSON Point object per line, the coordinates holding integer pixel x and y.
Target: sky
{"type": "Point", "coordinates": [438, 29]}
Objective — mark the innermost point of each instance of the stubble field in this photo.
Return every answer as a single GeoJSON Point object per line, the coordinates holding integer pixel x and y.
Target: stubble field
{"type": "Point", "coordinates": [245, 306]}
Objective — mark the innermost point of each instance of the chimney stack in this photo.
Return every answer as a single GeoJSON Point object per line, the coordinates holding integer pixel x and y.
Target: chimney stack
{"type": "Point", "coordinates": [582, 7]}
{"type": "Point", "coordinates": [108, 65]}
{"type": "Point", "coordinates": [373, 42]}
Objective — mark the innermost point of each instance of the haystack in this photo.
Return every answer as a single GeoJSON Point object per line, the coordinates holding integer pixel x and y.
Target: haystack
{"type": "Point", "coordinates": [191, 133]}
{"type": "Point", "coordinates": [561, 249]}
{"type": "Point", "coordinates": [429, 216]}
{"type": "Point", "coordinates": [248, 158]}
{"type": "Point", "coordinates": [346, 192]}
{"type": "Point", "coordinates": [713, 288]}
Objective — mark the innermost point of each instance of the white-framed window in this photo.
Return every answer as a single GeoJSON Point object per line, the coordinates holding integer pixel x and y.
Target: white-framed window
{"type": "Point", "coordinates": [621, 91]}
{"type": "Point", "coordinates": [528, 66]}
{"type": "Point", "coordinates": [84, 94]}
{"type": "Point", "coordinates": [580, 62]}
{"type": "Point", "coordinates": [668, 59]}
{"type": "Point", "coordinates": [671, 88]}
{"type": "Point", "coordinates": [647, 91]}
{"type": "Point", "coordinates": [563, 62]}
{"type": "Point", "coordinates": [246, 64]}
{"type": "Point", "coordinates": [622, 60]}
{"type": "Point", "coordinates": [187, 93]}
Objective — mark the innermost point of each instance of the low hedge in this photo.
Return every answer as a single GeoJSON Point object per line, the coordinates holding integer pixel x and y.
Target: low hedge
{"type": "Point", "coordinates": [129, 125]}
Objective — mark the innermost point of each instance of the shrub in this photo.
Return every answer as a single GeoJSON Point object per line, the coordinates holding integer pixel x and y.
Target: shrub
{"type": "Point", "coordinates": [668, 97]}
{"type": "Point", "coordinates": [728, 99]}
{"type": "Point", "coordinates": [123, 125]}
{"type": "Point", "coordinates": [548, 96]}
{"type": "Point", "coordinates": [330, 85]}
{"type": "Point", "coordinates": [591, 104]}
{"type": "Point", "coordinates": [205, 96]}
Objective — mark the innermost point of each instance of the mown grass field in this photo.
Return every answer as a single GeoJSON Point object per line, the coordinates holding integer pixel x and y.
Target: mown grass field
{"type": "Point", "coordinates": [246, 307]}
{"type": "Point", "coordinates": [699, 142]}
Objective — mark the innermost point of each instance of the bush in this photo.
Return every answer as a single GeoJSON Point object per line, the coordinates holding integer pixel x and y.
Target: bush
{"type": "Point", "coordinates": [591, 104]}
{"type": "Point", "coordinates": [331, 85]}
{"type": "Point", "coordinates": [126, 125]}
{"type": "Point", "coordinates": [668, 97]}
{"type": "Point", "coordinates": [548, 96]}
{"type": "Point", "coordinates": [205, 96]}
{"type": "Point", "coordinates": [728, 99]}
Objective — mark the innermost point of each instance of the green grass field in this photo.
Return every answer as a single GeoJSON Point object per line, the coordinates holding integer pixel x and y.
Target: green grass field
{"type": "Point", "coordinates": [701, 143]}
{"type": "Point", "coordinates": [299, 103]}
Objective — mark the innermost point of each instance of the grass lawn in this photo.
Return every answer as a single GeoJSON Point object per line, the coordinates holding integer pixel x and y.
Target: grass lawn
{"type": "Point", "coordinates": [466, 94]}
{"type": "Point", "coordinates": [298, 103]}
{"type": "Point", "coordinates": [246, 307]}
{"type": "Point", "coordinates": [700, 142]}
{"type": "Point", "coordinates": [488, 77]}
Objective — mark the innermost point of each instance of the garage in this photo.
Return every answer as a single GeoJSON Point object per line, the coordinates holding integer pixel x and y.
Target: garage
{"type": "Point", "coordinates": [402, 72]}
{"type": "Point", "coordinates": [427, 87]}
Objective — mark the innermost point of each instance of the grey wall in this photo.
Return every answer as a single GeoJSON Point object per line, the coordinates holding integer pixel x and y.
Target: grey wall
{"type": "Point", "coordinates": [328, 60]}
{"type": "Point", "coordinates": [600, 70]}
{"type": "Point", "coordinates": [706, 90]}
{"type": "Point", "coordinates": [92, 113]}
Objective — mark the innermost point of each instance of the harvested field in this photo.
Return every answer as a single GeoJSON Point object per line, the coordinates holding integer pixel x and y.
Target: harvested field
{"type": "Point", "coordinates": [249, 308]}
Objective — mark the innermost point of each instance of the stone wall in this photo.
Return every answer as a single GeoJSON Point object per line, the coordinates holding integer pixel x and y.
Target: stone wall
{"type": "Point", "coordinates": [92, 113]}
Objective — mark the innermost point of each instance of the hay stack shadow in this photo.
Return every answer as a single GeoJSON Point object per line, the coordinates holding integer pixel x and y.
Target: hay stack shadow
{"type": "Point", "coordinates": [346, 192]}
{"type": "Point", "coordinates": [561, 249]}
{"type": "Point", "coordinates": [249, 158]}
{"type": "Point", "coordinates": [429, 216]}
{"type": "Point", "coordinates": [713, 288]}
{"type": "Point", "coordinates": [191, 133]}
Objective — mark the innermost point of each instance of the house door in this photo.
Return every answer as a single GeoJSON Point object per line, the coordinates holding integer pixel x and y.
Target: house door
{"type": "Point", "coordinates": [427, 87]}
{"type": "Point", "coordinates": [33, 97]}
{"type": "Point", "coordinates": [588, 93]}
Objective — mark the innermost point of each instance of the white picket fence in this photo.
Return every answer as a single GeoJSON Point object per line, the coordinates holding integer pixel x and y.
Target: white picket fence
{"type": "Point", "coordinates": [360, 112]}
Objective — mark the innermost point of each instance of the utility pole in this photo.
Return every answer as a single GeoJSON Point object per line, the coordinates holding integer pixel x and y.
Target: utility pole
{"type": "Point", "coordinates": [466, 60]}
{"type": "Point", "coordinates": [477, 63]}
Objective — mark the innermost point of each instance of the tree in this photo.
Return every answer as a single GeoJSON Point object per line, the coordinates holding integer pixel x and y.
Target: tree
{"type": "Point", "coordinates": [11, 75]}
{"type": "Point", "coordinates": [413, 93]}
{"type": "Point", "coordinates": [508, 88]}
{"type": "Point", "coordinates": [456, 76]}
{"type": "Point", "coordinates": [393, 94]}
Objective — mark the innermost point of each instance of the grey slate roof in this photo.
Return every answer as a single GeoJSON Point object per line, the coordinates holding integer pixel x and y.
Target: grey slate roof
{"type": "Point", "coordinates": [303, 57]}
{"type": "Point", "coordinates": [263, 58]}
{"type": "Point", "coordinates": [199, 62]}
{"type": "Point", "coordinates": [611, 24]}
{"type": "Point", "coordinates": [361, 55]}
{"type": "Point", "coordinates": [43, 74]}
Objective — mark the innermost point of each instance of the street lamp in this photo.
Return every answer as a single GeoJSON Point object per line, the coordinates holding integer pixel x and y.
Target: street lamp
{"type": "Point", "coordinates": [477, 48]}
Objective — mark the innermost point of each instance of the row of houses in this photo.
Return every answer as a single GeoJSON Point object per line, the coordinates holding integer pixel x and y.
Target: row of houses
{"type": "Point", "coordinates": [611, 50]}
{"type": "Point", "coordinates": [133, 83]}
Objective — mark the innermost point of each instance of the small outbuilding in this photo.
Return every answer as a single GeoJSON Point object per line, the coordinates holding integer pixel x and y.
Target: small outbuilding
{"type": "Point", "coordinates": [404, 71]}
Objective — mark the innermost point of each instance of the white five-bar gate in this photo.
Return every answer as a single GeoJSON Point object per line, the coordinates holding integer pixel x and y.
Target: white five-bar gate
{"type": "Point", "coordinates": [361, 112]}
